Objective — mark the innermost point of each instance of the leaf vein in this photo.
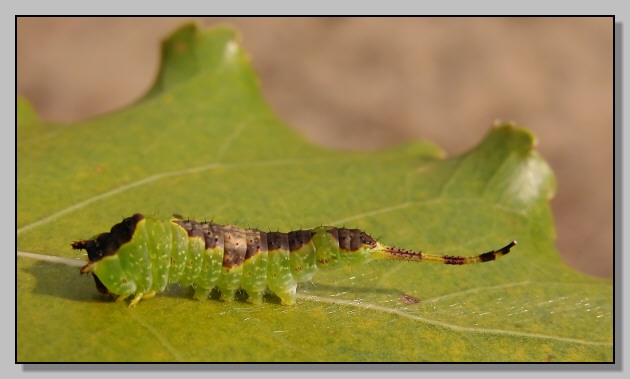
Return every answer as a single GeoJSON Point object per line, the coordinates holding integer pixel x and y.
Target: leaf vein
{"type": "Point", "coordinates": [450, 326]}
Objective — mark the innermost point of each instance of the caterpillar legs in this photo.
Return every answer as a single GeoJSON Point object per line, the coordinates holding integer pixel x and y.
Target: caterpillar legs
{"type": "Point", "coordinates": [255, 297]}
{"type": "Point", "coordinates": [201, 293]}
{"type": "Point", "coordinates": [286, 297]}
{"type": "Point", "coordinates": [137, 297]}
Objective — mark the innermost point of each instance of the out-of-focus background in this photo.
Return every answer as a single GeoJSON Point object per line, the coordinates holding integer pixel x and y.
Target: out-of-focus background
{"type": "Point", "coordinates": [367, 83]}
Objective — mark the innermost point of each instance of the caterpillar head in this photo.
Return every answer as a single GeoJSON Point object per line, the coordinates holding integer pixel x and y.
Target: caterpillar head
{"type": "Point", "coordinates": [106, 244]}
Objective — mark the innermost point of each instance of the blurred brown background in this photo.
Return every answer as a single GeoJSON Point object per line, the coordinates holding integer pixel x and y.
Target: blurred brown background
{"type": "Point", "coordinates": [366, 83]}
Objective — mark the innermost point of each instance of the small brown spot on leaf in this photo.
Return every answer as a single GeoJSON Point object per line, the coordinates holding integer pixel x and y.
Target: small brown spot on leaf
{"type": "Point", "coordinates": [549, 358]}
{"type": "Point", "coordinates": [180, 47]}
{"type": "Point", "coordinates": [408, 299]}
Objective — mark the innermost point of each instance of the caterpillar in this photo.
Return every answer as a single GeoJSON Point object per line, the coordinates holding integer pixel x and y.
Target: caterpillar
{"type": "Point", "coordinates": [141, 256]}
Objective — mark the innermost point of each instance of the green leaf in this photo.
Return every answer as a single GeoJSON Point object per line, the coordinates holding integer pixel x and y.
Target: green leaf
{"type": "Point", "coordinates": [203, 143]}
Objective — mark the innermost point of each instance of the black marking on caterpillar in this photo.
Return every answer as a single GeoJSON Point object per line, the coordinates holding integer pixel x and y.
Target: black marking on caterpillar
{"type": "Point", "coordinates": [141, 255]}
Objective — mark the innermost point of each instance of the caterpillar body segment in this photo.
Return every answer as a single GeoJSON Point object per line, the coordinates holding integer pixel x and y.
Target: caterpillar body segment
{"type": "Point", "coordinates": [141, 256]}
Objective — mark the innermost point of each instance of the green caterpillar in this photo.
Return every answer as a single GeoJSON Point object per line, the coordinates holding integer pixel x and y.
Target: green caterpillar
{"type": "Point", "coordinates": [141, 255]}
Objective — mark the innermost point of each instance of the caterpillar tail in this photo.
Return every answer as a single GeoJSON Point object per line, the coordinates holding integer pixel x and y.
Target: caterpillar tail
{"type": "Point", "coordinates": [383, 252]}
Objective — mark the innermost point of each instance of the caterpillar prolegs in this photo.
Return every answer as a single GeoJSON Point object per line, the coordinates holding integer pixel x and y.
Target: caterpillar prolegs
{"type": "Point", "coordinates": [141, 255]}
